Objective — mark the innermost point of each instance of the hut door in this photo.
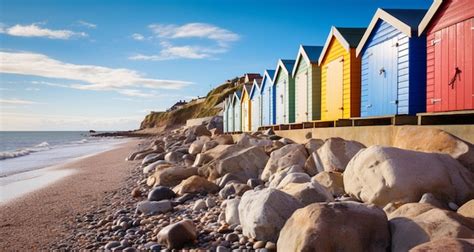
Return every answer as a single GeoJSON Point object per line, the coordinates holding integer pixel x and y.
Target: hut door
{"type": "Point", "coordinates": [280, 103]}
{"type": "Point", "coordinates": [454, 84]}
{"type": "Point", "coordinates": [334, 87]}
{"type": "Point", "coordinates": [302, 97]}
{"type": "Point", "coordinates": [388, 73]}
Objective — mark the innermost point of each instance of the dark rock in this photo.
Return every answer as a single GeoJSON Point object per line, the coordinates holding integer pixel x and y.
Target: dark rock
{"type": "Point", "coordinates": [160, 193]}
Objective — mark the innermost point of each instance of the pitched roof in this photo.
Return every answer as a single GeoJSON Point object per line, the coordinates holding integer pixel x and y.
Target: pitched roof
{"type": "Point", "coordinates": [348, 37]}
{"type": "Point", "coordinates": [310, 53]}
{"type": "Point", "coordinates": [247, 88]}
{"type": "Point", "coordinates": [237, 95]}
{"type": "Point", "coordinates": [429, 15]}
{"type": "Point", "coordinates": [257, 83]}
{"type": "Point", "coordinates": [285, 64]}
{"type": "Point", "coordinates": [268, 74]}
{"type": "Point", "coordinates": [405, 20]}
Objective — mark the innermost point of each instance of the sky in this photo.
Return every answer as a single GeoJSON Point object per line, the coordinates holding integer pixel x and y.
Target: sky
{"type": "Point", "coordinates": [104, 65]}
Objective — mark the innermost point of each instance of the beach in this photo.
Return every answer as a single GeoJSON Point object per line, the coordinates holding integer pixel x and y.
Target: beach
{"type": "Point", "coordinates": [39, 219]}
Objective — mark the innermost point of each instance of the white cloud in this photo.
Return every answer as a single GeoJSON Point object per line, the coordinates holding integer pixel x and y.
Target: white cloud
{"type": "Point", "coordinates": [34, 30]}
{"type": "Point", "coordinates": [17, 102]}
{"type": "Point", "coordinates": [170, 52]}
{"type": "Point", "coordinates": [92, 77]}
{"type": "Point", "coordinates": [194, 30]}
{"type": "Point", "coordinates": [87, 24]}
{"type": "Point", "coordinates": [138, 36]}
{"type": "Point", "coordinates": [32, 89]}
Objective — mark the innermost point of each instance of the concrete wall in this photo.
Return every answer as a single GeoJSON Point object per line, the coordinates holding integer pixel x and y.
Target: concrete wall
{"type": "Point", "coordinates": [197, 121]}
{"type": "Point", "coordinates": [372, 135]}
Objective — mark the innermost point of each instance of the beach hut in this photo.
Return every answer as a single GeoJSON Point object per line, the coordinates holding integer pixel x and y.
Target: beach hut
{"type": "Point", "coordinates": [449, 29]}
{"type": "Point", "coordinates": [256, 104]}
{"type": "Point", "coordinates": [237, 111]}
{"type": "Point", "coordinates": [284, 86]}
{"type": "Point", "coordinates": [230, 113]}
{"type": "Point", "coordinates": [393, 63]}
{"type": "Point", "coordinates": [246, 106]}
{"type": "Point", "coordinates": [268, 98]}
{"type": "Point", "coordinates": [307, 75]}
{"type": "Point", "coordinates": [225, 115]}
{"type": "Point", "coordinates": [340, 74]}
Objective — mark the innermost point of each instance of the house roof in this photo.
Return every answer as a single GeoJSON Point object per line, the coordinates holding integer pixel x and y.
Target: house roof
{"type": "Point", "coordinates": [268, 74]}
{"type": "Point", "coordinates": [247, 88]}
{"type": "Point", "coordinates": [284, 64]}
{"type": "Point", "coordinates": [257, 83]}
{"type": "Point", "coordinates": [405, 20]}
{"type": "Point", "coordinates": [429, 15]}
{"type": "Point", "coordinates": [237, 95]}
{"type": "Point", "coordinates": [309, 53]}
{"type": "Point", "coordinates": [348, 37]}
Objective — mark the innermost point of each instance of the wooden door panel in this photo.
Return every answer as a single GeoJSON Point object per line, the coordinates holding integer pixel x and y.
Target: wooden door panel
{"type": "Point", "coordinates": [334, 88]}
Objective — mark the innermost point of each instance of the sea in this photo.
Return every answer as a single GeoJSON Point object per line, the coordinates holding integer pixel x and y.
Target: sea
{"type": "Point", "coordinates": [23, 151]}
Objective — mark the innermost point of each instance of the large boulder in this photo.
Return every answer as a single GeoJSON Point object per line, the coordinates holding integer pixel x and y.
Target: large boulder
{"type": "Point", "coordinates": [160, 193]}
{"type": "Point", "coordinates": [263, 213]}
{"type": "Point", "coordinates": [335, 153]}
{"type": "Point", "coordinates": [172, 176]}
{"type": "Point", "coordinates": [244, 163]}
{"type": "Point", "coordinates": [224, 139]}
{"type": "Point", "coordinates": [467, 210]}
{"type": "Point", "coordinates": [446, 244]}
{"type": "Point", "coordinates": [288, 155]}
{"type": "Point", "coordinates": [196, 147]}
{"type": "Point", "coordinates": [177, 235]}
{"type": "Point", "coordinates": [308, 193]}
{"type": "Point", "coordinates": [198, 131]}
{"type": "Point", "coordinates": [195, 184]}
{"type": "Point", "coordinates": [339, 226]}
{"type": "Point", "coordinates": [430, 225]}
{"type": "Point", "coordinates": [387, 175]}
{"type": "Point", "coordinates": [332, 181]}
{"type": "Point", "coordinates": [276, 178]}
{"type": "Point", "coordinates": [150, 158]}
{"type": "Point", "coordinates": [294, 178]}
{"type": "Point", "coordinates": [174, 156]}
{"type": "Point", "coordinates": [410, 210]}
{"type": "Point", "coordinates": [313, 145]}
{"type": "Point", "coordinates": [151, 167]}
{"type": "Point", "coordinates": [209, 145]}
{"type": "Point", "coordinates": [232, 211]}
{"type": "Point", "coordinates": [435, 140]}
{"type": "Point", "coordinates": [233, 188]}
{"type": "Point", "coordinates": [247, 140]}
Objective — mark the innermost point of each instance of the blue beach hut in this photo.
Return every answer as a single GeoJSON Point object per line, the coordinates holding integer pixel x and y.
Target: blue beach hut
{"type": "Point", "coordinates": [268, 98]}
{"type": "Point", "coordinates": [393, 64]}
{"type": "Point", "coordinates": [256, 101]}
{"type": "Point", "coordinates": [237, 111]}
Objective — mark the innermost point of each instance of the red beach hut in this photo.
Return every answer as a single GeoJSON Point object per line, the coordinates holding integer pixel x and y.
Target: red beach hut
{"type": "Point", "coordinates": [449, 27]}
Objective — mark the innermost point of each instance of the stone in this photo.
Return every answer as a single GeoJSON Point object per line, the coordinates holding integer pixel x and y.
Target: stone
{"type": "Point", "coordinates": [136, 193]}
{"type": "Point", "coordinates": [150, 158]}
{"type": "Point", "coordinates": [195, 184]}
{"type": "Point", "coordinates": [224, 139]}
{"type": "Point", "coordinates": [201, 159]}
{"type": "Point", "coordinates": [336, 226]}
{"type": "Point", "coordinates": [246, 140]}
{"type": "Point", "coordinates": [228, 178]}
{"type": "Point", "coordinates": [335, 153]}
{"type": "Point", "coordinates": [173, 157]}
{"type": "Point", "coordinates": [446, 244]}
{"type": "Point", "coordinates": [200, 130]}
{"type": "Point", "coordinates": [188, 160]}
{"type": "Point", "coordinates": [230, 189]}
{"type": "Point", "coordinates": [410, 210]}
{"type": "Point", "coordinates": [259, 245]}
{"type": "Point", "coordinates": [435, 140]}
{"type": "Point", "coordinates": [275, 146]}
{"type": "Point", "coordinates": [276, 178]}
{"type": "Point", "coordinates": [286, 156]}
{"type": "Point", "coordinates": [232, 237]}
{"type": "Point", "coordinates": [232, 211]}
{"type": "Point", "coordinates": [160, 193]}
{"type": "Point", "coordinates": [294, 178]}
{"type": "Point", "coordinates": [332, 181]}
{"type": "Point", "coordinates": [467, 210]}
{"type": "Point", "coordinates": [209, 145]}
{"type": "Point", "coordinates": [196, 147]}
{"type": "Point", "coordinates": [177, 235]}
{"type": "Point", "coordinates": [254, 182]}
{"type": "Point", "coordinates": [308, 135]}
{"type": "Point", "coordinates": [173, 176]}
{"type": "Point", "coordinates": [313, 145]}
{"type": "Point", "coordinates": [269, 132]}
{"type": "Point", "coordinates": [216, 132]}
{"type": "Point", "coordinates": [216, 122]}
{"type": "Point", "coordinates": [199, 205]}
{"type": "Point", "coordinates": [286, 141]}
{"type": "Point", "coordinates": [429, 198]}
{"type": "Point", "coordinates": [430, 225]}
{"type": "Point", "coordinates": [112, 244]}
{"type": "Point", "coordinates": [141, 154]}
{"type": "Point", "coordinates": [453, 206]}
{"type": "Point", "coordinates": [210, 202]}
{"type": "Point", "coordinates": [308, 193]}
{"type": "Point", "coordinates": [244, 163]}
{"type": "Point", "coordinates": [263, 213]}
{"type": "Point", "coordinates": [151, 167]}
{"type": "Point", "coordinates": [271, 246]}
{"type": "Point", "coordinates": [387, 175]}
{"type": "Point", "coordinates": [222, 249]}
{"type": "Point", "coordinates": [153, 207]}
{"type": "Point", "coordinates": [310, 166]}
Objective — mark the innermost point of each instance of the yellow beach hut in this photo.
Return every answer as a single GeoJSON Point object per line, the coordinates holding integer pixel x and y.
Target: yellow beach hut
{"type": "Point", "coordinates": [340, 74]}
{"type": "Point", "coordinates": [246, 106]}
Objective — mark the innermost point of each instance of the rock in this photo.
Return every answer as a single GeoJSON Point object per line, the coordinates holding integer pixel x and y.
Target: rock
{"type": "Point", "coordinates": [224, 139]}
{"type": "Point", "coordinates": [154, 207]}
{"type": "Point", "coordinates": [151, 167]}
{"type": "Point", "coordinates": [173, 157]}
{"type": "Point", "coordinates": [289, 155]}
{"type": "Point", "coordinates": [232, 212]}
{"type": "Point", "coordinates": [150, 158]}
{"type": "Point", "coordinates": [410, 210]}
{"type": "Point", "coordinates": [286, 141]}
{"type": "Point", "coordinates": [383, 175]}
{"type": "Point", "coordinates": [310, 165]}
{"type": "Point", "coordinates": [435, 140]}
{"type": "Point", "coordinates": [254, 182]}
{"type": "Point", "coordinates": [308, 193]}
{"type": "Point", "coordinates": [332, 181]}
{"type": "Point", "coordinates": [276, 178]}
{"type": "Point", "coordinates": [232, 237]}
{"type": "Point", "coordinates": [200, 130]}
{"type": "Point", "coordinates": [230, 189]}
{"type": "Point", "coordinates": [160, 193]}
{"type": "Point", "coordinates": [216, 132]}
{"type": "Point", "coordinates": [295, 177]}
{"type": "Point", "coordinates": [246, 140]}
{"type": "Point", "coordinates": [335, 153]}
{"type": "Point", "coordinates": [228, 178]}
{"type": "Point", "coordinates": [269, 132]}
{"type": "Point", "coordinates": [271, 246]}
{"type": "Point", "coordinates": [446, 244]}
{"type": "Point", "coordinates": [195, 184]}
{"type": "Point", "coordinates": [430, 225]}
{"type": "Point", "coordinates": [429, 198]}
{"type": "Point", "coordinates": [263, 213]}
{"type": "Point", "coordinates": [337, 226]}
{"type": "Point", "coordinates": [173, 176]}
{"type": "Point", "coordinates": [216, 122]}
{"type": "Point", "coordinates": [199, 205]}
{"type": "Point", "coordinates": [176, 235]}
{"type": "Point", "coordinates": [222, 249]}
{"type": "Point", "coordinates": [275, 146]}
{"type": "Point", "coordinates": [196, 147]}
{"type": "Point", "coordinates": [259, 245]}
{"type": "Point", "coordinates": [308, 135]}
{"type": "Point", "coordinates": [201, 159]}
{"type": "Point", "coordinates": [244, 163]}
{"type": "Point", "coordinates": [136, 193]}
{"type": "Point", "coordinates": [188, 160]}
{"type": "Point", "coordinates": [111, 245]}
{"type": "Point", "coordinates": [209, 145]}
{"type": "Point", "coordinates": [313, 145]}
{"type": "Point", "coordinates": [467, 210]}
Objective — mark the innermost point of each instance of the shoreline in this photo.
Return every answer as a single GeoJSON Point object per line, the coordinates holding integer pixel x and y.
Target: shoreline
{"type": "Point", "coordinates": [37, 219]}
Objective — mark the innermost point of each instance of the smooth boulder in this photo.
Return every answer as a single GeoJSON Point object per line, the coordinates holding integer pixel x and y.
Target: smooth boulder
{"type": "Point", "coordinates": [467, 210]}
{"type": "Point", "coordinates": [335, 154]}
{"type": "Point", "coordinates": [263, 213]}
{"type": "Point", "coordinates": [338, 226]}
{"type": "Point", "coordinates": [446, 244]}
{"type": "Point", "coordinates": [332, 181]}
{"type": "Point", "coordinates": [232, 211]}
{"type": "Point", "coordinates": [195, 184]}
{"type": "Point", "coordinates": [172, 176]}
{"type": "Point", "coordinates": [308, 193]}
{"type": "Point", "coordinates": [177, 235]}
{"type": "Point", "coordinates": [160, 193]}
{"type": "Point", "coordinates": [153, 207]}
{"type": "Point", "coordinates": [288, 155]}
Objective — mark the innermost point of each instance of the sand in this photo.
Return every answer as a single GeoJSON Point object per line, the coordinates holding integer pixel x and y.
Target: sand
{"type": "Point", "coordinates": [38, 219]}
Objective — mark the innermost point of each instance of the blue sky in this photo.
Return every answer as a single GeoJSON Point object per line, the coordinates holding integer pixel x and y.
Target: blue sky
{"type": "Point", "coordinates": [79, 65]}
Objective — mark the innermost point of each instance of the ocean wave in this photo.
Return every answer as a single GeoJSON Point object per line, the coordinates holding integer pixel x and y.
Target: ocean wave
{"type": "Point", "coordinates": [23, 152]}
{"type": "Point", "coordinates": [80, 141]}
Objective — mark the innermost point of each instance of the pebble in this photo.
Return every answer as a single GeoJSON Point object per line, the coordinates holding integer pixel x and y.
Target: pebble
{"type": "Point", "coordinates": [222, 249]}
{"type": "Point", "coordinates": [112, 244]}
{"type": "Point", "coordinates": [232, 237]}
{"type": "Point", "coordinates": [259, 245]}
{"type": "Point", "coordinates": [199, 205]}
{"type": "Point", "coordinates": [271, 246]}
{"type": "Point", "coordinates": [453, 206]}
